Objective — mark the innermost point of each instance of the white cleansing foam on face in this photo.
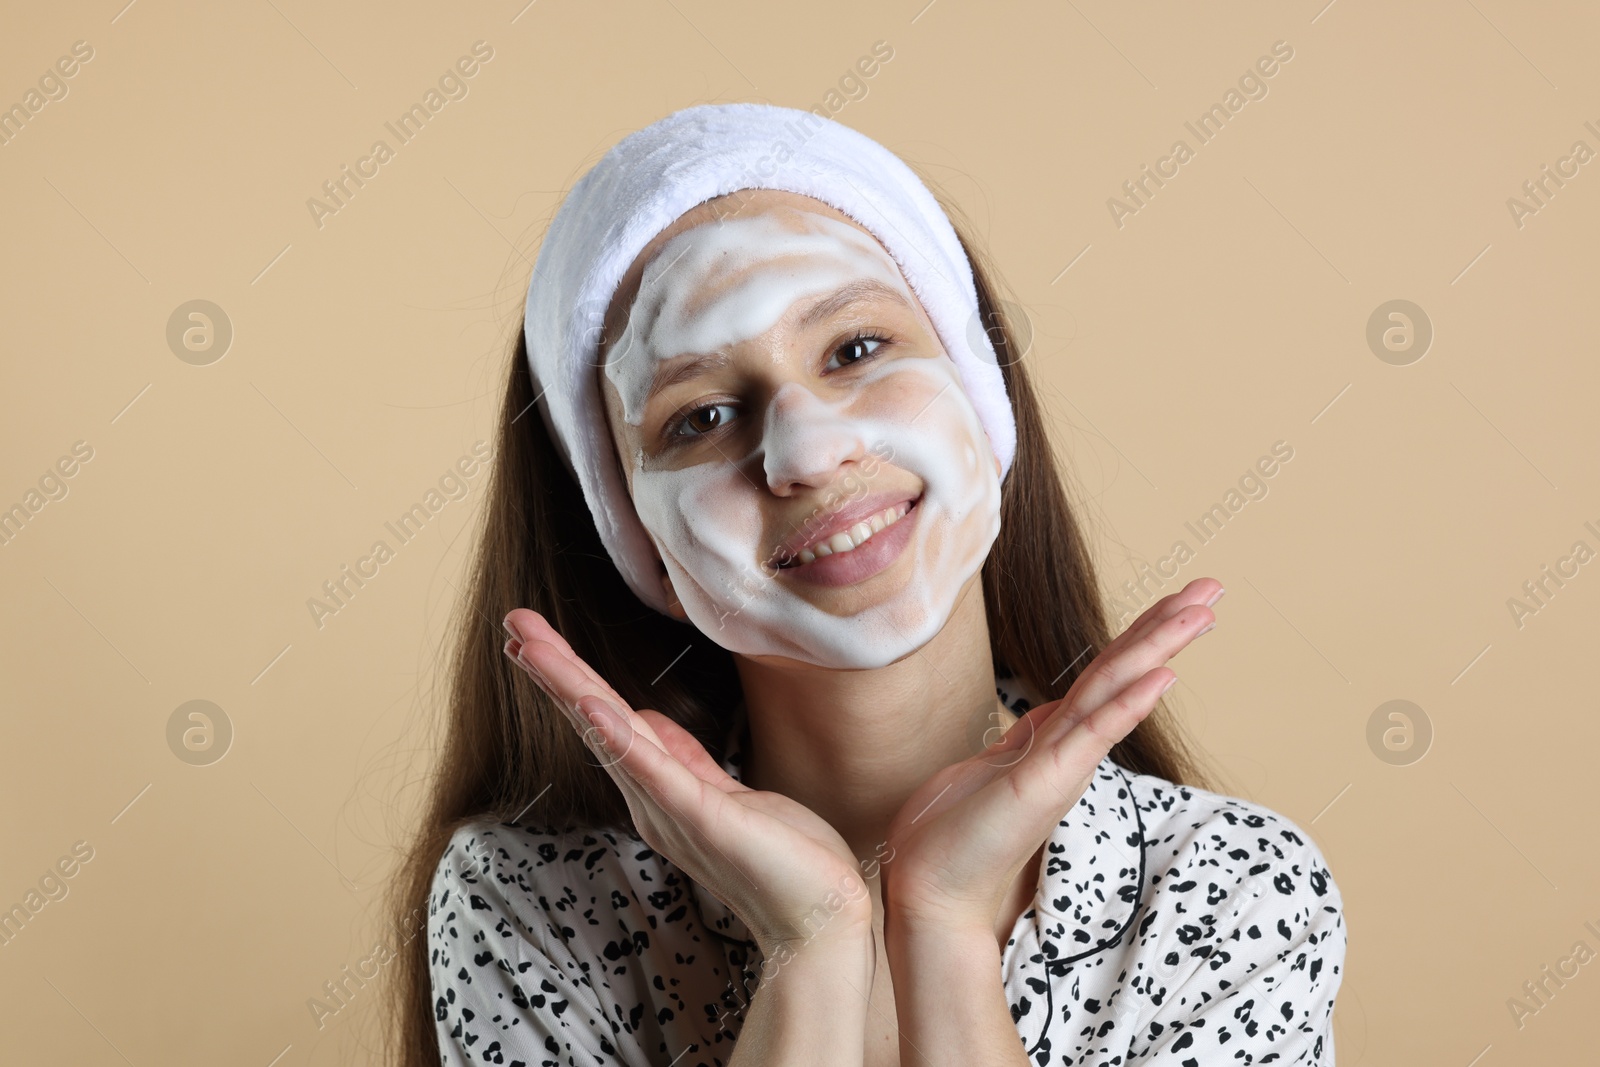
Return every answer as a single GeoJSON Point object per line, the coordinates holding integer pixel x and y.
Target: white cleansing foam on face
{"type": "Point", "coordinates": [730, 281]}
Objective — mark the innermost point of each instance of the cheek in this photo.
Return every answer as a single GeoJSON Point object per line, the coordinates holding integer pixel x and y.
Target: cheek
{"type": "Point", "coordinates": [935, 433]}
{"type": "Point", "coordinates": [919, 410]}
{"type": "Point", "coordinates": [899, 392]}
{"type": "Point", "coordinates": [705, 519]}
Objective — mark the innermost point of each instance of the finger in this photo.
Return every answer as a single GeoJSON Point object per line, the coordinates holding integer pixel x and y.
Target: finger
{"type": "Point", "coordinates": [531, 626]}
{"type": "Point", "coordinates": [564, 690]}
{"type": "Point", "coordinates": [1047, 766]}
{"type": "Point", "coordinates": [536, 626]}
{"type": "Point", "coordinates": [687, 750]}
{"type": "Point", "coordinates": [1200, 591]}
{"type": "Point", "coordinates": [1205, 591]}
{"type": "Point", "coordinates": [1019, 737]}
{"type": "Point", "coordinates": [1111, 670]}
{"type": "Point", "coordinates": [1090, 691]}
{"type": "Point", "coordinates": [1118, 665]}
{"type": "Point", "coordinates": [521, 623]}
{"type": "Point", "coordinates": [651, 775]}
{"type": "Point", "coordinates": [661, 783]}
{"type": "Point", "coordinates": [1116, 717]}
{"type": "Point", "coordinates": [539, 628]}
{"type": "Point", "coordinates": [1066, 754]}
{"type": "Point", "coordinates": [569, 680]}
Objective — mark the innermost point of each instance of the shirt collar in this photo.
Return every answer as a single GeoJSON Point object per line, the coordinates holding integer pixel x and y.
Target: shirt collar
{"type": "Point", "coordinates": [1090, 883]}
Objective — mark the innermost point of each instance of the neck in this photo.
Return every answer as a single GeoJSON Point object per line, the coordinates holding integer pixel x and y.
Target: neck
{"type": "Point", "coordinates": [852, 745]}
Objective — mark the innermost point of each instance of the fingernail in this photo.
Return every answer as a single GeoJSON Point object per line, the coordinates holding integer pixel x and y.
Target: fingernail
{"type": "Point", "coordinates": [512, 647]}
{"type": "Point", "coordinates": [1216, 598]}
{"type": "Point", "coordinates": [598, 708]}
{"type": "Point", "coordinates": [600, 715]}
{"type": "Point", "coordinates": [512, 630]}
{"type": "Point", "coordinates": [1170, 683]}
{"type": "Point", "coordinates": [1208, 628]}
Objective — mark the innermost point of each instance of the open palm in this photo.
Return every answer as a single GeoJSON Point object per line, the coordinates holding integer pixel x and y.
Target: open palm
{"type": "Point", "coordinates": [770, 859]}
{"type": "Point", "coordinates": [961, 838]}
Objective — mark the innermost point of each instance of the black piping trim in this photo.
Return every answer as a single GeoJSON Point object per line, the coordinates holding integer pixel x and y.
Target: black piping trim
{"type": "Point", "coordinates": [730, 939]}
{"type": "Point", "coordinates": [1138, 903]}
{"type": "Point", "coordinates": [1057, 967]}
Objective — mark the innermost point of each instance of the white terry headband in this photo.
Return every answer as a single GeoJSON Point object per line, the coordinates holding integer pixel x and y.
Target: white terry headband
{"type": "Point", "coordinates": [649, 179]}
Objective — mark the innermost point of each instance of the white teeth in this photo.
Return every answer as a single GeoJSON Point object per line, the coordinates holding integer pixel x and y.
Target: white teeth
{"type": "Point", "coordinates": [855, 536]}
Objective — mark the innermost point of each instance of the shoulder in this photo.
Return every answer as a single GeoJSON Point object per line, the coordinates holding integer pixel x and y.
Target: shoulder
{"type": "Point", "coordinates": [575, 943]}
{"type": "Point", "coordinates": [578, 896]}
{"type": "Point", "coordinates": [524, 932]}
{"type": "Point", "coordinates": [1196, 840]}
{"type": "Point", "coordinates": [1239, 902]}
{"type": "Point", "coordinates": [1172, 920]}
{"type": "Point", "coordinates": [531, 872]}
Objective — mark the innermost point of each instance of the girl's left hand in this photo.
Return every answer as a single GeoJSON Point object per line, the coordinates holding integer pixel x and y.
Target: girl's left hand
{"type": "Point", "coordinates": [961, 839]}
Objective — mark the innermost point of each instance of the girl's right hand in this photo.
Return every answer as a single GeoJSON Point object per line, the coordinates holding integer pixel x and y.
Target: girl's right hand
{"type": "Point", "coordinates": [775, 863]}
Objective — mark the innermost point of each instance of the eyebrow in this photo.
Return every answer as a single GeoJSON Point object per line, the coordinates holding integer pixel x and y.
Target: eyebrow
{"type": "Point", "coordinates": [690, 368]}
{"type": "Point", "coordinates": [820, 311]}
{"type": "Point", "coordinates": [844, 296]}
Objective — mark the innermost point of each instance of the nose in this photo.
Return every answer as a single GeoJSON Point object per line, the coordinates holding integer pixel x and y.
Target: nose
{"type": "Point", "coordinates": [805, 440]}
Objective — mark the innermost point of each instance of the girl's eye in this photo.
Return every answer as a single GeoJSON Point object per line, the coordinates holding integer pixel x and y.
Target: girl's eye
{"type": "Point", "coordinates": [711, 417]}
{"type": "Point", "coordinates": [858, 348]}
{"type": "Point", "coordinates": [703, 420]}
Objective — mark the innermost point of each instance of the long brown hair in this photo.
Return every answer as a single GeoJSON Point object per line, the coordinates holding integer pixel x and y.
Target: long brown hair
{"type": "Point", "coordinates": [509, 755]}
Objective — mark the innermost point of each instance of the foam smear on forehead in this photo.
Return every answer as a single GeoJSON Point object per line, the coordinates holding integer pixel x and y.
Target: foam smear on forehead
{"type": "Point", "coordinates": [729, 280]}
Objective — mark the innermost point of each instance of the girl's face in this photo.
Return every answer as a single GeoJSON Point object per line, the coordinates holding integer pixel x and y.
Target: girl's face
{"type": "Point", "coordinates": [796, 441]}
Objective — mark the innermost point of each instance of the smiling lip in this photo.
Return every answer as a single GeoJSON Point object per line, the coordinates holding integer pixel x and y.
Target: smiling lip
{"type": "Point", "coordinates": [836, 565]}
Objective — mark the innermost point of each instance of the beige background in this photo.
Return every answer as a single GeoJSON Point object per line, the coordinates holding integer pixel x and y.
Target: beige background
{"type": "Point", "coordinates": [1229, 313]}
